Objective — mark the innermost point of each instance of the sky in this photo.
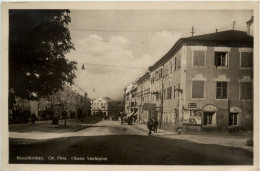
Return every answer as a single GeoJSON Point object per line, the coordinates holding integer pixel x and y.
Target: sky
{"type": "Point", "coordinates": [117, 46]}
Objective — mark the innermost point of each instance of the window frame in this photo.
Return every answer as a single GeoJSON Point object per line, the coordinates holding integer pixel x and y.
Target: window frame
{"type": "Point", "coordinates": [237, 119]}
{"type": "Point", "coordinates": [222, 90]}
{"type": "Point", "coordinates": [240, 90]}
{"type": "Point", "coordinates": [246, 50]}
{"type": "Point", "coordinates": [194, 66]}
{"type": "Point", "coordinates": [222, 67]}
{"type": "Point", "coordinates": [213, 118]}
{"type": "Point", "coordinates": [204, 93]}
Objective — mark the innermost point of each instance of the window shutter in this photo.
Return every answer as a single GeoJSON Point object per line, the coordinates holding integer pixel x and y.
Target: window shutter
{"type": "Point", "coordinates": [216, 58]}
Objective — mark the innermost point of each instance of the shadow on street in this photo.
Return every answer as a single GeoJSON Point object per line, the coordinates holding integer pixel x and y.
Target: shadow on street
{"type": "Point", "coordinates": [126, 150]}
{"type": "Point", "coordinates": [73, 125]}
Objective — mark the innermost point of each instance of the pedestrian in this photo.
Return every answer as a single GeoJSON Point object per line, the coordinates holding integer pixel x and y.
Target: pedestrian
{"type": "Point", "coordinates": [155, 124]}
{"type": "Point", "coordinates": [150, 126]}
{"type": "Point", "coordinates": [33, 117]}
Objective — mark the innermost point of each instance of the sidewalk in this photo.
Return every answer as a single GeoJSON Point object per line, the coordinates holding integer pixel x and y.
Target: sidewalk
{"type": "Point", "coordinates": [224, 140]}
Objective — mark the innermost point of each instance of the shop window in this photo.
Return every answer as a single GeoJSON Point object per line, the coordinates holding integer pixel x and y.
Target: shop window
{"type": "Point", "coordinates": [199, 58]}
{"type": "Point", "coordinates": [246, 91]}
{"type": "Point", "coordinates": [221, 90]}
{"type": "Point", "coordinates": [233, 119]}
{"type": "Point", "coordinates": [208, 118]}
{"type": "Point", "coordinates": [198, 89]}
{"type": "Point", "coordinates": [221, 59]}
{"type": "Point", "coordinates": [246, 59]}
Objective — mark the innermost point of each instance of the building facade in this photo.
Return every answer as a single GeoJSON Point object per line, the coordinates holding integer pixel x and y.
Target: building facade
{"type": "Point", "coordinates": [99, 106]}
{"type": "Point", "coordinates": [145, 108]}
{"type": "Point", "coordinates": [205, 82]}
{"type": "Point", "coordinates": [104, 106]}
{"type": "Point", "coordinates": [130, 98]}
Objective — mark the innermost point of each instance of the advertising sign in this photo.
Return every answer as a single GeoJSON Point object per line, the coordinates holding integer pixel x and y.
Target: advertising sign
{"type": "Point", "coordinates": [192, 117]}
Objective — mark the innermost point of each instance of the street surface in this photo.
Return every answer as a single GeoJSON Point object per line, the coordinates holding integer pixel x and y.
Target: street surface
{"type": "Point", "coordinates": [109, 142]}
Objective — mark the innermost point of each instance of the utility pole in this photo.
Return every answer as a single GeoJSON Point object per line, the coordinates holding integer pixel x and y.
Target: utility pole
{"type": "Point", "coordinates": [192, 31]}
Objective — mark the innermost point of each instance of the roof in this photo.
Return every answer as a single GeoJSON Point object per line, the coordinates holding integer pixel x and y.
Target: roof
{"type": "Point", "coordinates": [229, 38]}
{"type": "Point", "coordinates": [146, 75]}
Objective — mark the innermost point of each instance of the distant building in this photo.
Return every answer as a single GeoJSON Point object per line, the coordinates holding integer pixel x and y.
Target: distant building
{"type": "Point", "coordinates": [99, 106]}
{"type": "Point", "coordinates": [104, 106]}
{"type": "Point", "coordinates": [129, 97]}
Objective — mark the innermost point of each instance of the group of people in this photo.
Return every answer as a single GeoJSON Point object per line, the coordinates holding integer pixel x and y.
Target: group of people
{"type": "Point", "coordinates": [152, 125]}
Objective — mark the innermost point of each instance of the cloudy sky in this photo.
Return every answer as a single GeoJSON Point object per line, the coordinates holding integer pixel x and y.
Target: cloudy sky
{"type": "Point", "coordinates": [117, 46]}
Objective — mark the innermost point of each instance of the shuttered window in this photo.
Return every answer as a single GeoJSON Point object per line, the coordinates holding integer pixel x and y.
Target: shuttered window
{"type": "Point", "coordinates": [199, 58]}
{"type": "Point", "coordinates": [246, 90]}
{"type": "Point", "coordinates": [198, 89]}
{"type": "Point", "coordinates": [246, 59]}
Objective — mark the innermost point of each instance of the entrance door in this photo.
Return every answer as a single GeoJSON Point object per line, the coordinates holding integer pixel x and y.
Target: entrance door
{"type": "Point", "coordinates": [209, 118]}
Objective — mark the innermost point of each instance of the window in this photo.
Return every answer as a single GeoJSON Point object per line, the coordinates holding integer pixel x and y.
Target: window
{"type": "Point", "coordinates": [175, 64]}
{"type": "Point", "coordinates": [179, 85]}
{"type": "Point", "coordinates": [169, 92]}
{"type": "Point", "coordinates": [164, 94]}
{"type": "Point", "coordinates": [171, 66]}
{"type": "Point", "coordinates": [199, 58]}
{"type": "Point", "coordinates": [198, 89]}
{"type": "Point", "coordinates": [156, 75]}
{"type": "Point", "coordinates": [179, 60]}
{"type": "Point", "coordinates": [221, 59]}
{"type": "Point", "coordinates": [233, 119]}
{"type": "Point", "coordinates": [160, 73]}
{"type": "Point", "coordinates": [221, 90]}
{"type": "Point", "coordinates": [157, 96]}
{"type": "Point", "coordinates": [246, 91]}
{"type": "Point", "coordinates": [246, 59]}
{"type": "Point", "coordinates": [174, 91]}
{"type": "Point", "coordinates": [208, 118]}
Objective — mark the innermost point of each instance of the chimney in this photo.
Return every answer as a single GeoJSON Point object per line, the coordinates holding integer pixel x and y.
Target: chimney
{"type": "Point", "coordinates": [216, 30]}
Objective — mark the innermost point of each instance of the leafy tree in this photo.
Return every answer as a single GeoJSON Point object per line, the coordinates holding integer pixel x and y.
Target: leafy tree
{"type": "Point", "coordinates": [38, 42]}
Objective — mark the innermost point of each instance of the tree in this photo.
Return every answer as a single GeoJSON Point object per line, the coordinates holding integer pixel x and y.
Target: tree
{"type": "Point", "coordinates": [38, 42]}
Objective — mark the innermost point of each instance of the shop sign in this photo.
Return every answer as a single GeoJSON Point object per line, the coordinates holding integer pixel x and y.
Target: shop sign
{"type": "Point", "coordinates": [192, 105]}
{"type": "Point", "coordinates": [149, 106]}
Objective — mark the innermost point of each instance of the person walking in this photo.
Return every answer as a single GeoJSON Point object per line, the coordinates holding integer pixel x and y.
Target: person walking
{"type": "Point", "coordinates": [150, 126]}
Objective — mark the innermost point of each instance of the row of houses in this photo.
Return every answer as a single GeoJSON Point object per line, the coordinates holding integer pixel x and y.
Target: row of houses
{"type": "Point", "coordinates": [106, 107]}
{"type": "Point", "coordinates": [203, 82]}
{"type": "Point", "coordinates": [74, 103]}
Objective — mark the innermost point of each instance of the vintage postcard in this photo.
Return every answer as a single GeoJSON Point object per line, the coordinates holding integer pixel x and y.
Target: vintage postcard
{"type": "Point", "coordinates": [130, 85]}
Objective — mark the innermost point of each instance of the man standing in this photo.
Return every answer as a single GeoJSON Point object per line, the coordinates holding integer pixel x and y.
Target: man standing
{"type": "Point", "coordinates": [33, 117]}
{"type": "Point", "coordinates": [150, 126]}
{"type": "Point", "coordinates": [155, 124]}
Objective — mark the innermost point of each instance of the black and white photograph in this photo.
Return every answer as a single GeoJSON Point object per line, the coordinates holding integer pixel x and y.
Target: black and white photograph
{"type": "Point", "coordinates": [166, 84]}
